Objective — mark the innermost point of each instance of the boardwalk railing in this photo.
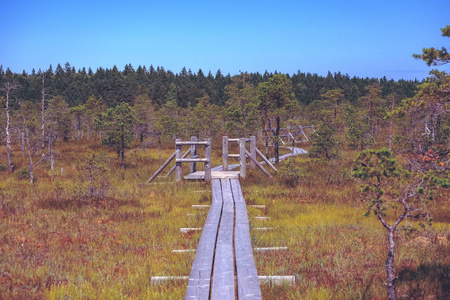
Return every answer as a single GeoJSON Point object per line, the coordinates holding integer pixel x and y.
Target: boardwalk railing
{"type": "Point", "coordinates": [193, 159]}
{"type": "Point", "coordinates": [243, 154]}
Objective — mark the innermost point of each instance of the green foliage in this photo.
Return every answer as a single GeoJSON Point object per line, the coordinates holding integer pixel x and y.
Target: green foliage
{"type": "Point", "coordinates": [118, 124]}
{"type": "Point", "coordinates": [3, 167]}
{"type": "Point", "coordinates": [376, 164]}
{"type": "Point", "coordinates": [58, 118]}
{"type": "Point", "coordinates": [23, 173]}
{"type": "Point", "coordinates": [276, 96]}
{"type": "Point", "coordinates": [433, 56]}
{"type": "Point", "coordinates": [358, 128]}
{"type": "Point", "coordinates": [167, 121]}
{"type": "Point", "coordinates": [205, 119]}
{"type": "Point", "coordinates": [290, 173]}
{"type": "Point", "coordinates": [324, 143]}
{"type": "Point", "coordinates": [242, 106]}
{"type": "Point", "coordinates": [93, 176]}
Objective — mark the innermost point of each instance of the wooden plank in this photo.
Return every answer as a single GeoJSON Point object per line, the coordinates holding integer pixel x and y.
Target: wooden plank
{"type": "Point", "coordinates": [162, 167]}
{"type": "Point", "coordinates": [193, 154]}
{"type": "Point", "coordinates": [262, 218]}
{"type": "Point", "coordinates": [225, 153]}
{"type": "Point", "coordinates": [199, 283]}
{"type": "Point", "coordinates": [268, 249]}
{"type": "Point", "coordinates": [252, 151]}
{"type": "Point", "coordinates": [247, 276]}
{"type": "Point", "coordinates": [223, 278]}
{"type": "Point", "coordinates": [178, 165]}
{"type": "Point", "coordinates": [208, 161]}
{"type": "Point", "coordinates": [183, 250]}
{"type": "Point", "coordinates": [189, 143]}
{"type": "Point", "coordinates": [200, 206]}
{"type": "Point", "coordinates": [258, 206]}
{"type": "Point", "coordinates": [173, 167]}
{"type": "Point", "coordinates": [242, 160]}
{"type": "Point", "coordinates": [266, 160]}
{"type": "Point", "coordinates": [199, 175]}
{"type": "Point", "coordinates": [186, 230]}
{"type": "Point", "coordinates": [163, 279]}
{"type": "Point", "coordinates": [191, 160]}
{"type": "Point", "coordinates": [225, 175]}
{"type": "Point", "coordinates": [258, 164]}
{"type": "Point", "coordinates": [277, 280]}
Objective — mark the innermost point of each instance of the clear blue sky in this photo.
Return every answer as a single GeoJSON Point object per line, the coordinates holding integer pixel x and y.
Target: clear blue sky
{"type": "Point", "coordinates": [361, 38]}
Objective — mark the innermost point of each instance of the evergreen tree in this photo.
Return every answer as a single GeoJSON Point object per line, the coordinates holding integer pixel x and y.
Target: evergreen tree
{"type": "Point", "coordinates": [276, 99]}
{"type": "Point", "coordinates": [118, 124]}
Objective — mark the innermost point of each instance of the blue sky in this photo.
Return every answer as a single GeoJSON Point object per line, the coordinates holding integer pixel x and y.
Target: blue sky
{"type": "Point", "coordinates": [361, 38]}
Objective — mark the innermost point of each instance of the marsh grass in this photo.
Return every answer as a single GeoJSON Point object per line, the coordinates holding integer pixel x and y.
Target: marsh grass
{"type": "Point", "coordinates": [54, 246]}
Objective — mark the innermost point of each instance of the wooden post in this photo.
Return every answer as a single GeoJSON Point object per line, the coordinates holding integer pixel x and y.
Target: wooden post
{"type": "Point", "coordinates": [243, 164]}
{"type": "Point", "coordinates": [225, 153]}
{"type": "Point", "coordinates": [193, 154]}
{"type": "Point", "coordinates": [178, 169]}
{"type": "Point", "coordinates": [208, 163]}
{"type": "Point", "coordinates": [252, 151]}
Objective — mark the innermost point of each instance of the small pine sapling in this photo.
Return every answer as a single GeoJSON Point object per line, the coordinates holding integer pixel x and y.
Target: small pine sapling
{"type": "Point", "coordinates": [385, 184]}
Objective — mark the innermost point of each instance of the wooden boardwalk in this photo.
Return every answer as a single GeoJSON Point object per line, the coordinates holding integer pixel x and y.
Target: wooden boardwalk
{"type": "Point", "coordinates": [224, 252]}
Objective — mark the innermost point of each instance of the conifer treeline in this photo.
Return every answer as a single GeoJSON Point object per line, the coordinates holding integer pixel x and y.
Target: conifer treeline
{"type": "Point", "coordinates": [186, 87]}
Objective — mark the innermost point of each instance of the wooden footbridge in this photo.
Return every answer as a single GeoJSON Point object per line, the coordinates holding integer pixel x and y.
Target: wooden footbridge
{"type": "Point", "coordinates": [224, 266]}
{"type": "Point", "coordinates": [224, 243]}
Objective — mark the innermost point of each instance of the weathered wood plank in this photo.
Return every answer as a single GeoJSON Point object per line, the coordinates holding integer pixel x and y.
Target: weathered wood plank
{"type": "Point", "coordinates": [173, 167]}
{"type": "Point", "coordinates": [208, 163]}
{"type": "Point", "coordinates": [242, 160]}
{"type": "Point", "coordinates": [191, 160]}
{"type": "Point", "coordinates": [223, 278]}
{"type": "Point", "coordinates": [162, 167]}
{"type": "Point", "coordinates": [225, 153]}
{"type": "Point", "coordinates": [200, 277]}
{"type": "Point", "coordinates": [247, 276]}
{"type": "Point", "coordinates": [189, 143]}
{"type": "Point", "coordinates": [253, 159]}
{"type": "Point", "coordinates": [266, 160]}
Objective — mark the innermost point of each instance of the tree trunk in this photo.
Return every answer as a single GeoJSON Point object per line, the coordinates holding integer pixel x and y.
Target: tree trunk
{"type": "Point", "coordinates": [390, 266]}
{"type": "Point", "coordinates": [277, 141]}
{"type": "Point", "coordinates": [89, 131]}
{"type": "Point", "coordinates": [43, 113]}
{"type": "Point", "coordinates": [29, 151]}
{"type": "Point", "coordinates": [50, 150]}
{"type": "Point", "coordinates": [123, 157]}
{"type": "Point", "coordinates": [8, 87]}
{"type": "Point", "coordinates": [22, 140]}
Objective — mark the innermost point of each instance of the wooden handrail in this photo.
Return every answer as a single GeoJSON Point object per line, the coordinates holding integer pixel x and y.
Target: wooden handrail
{"type": "Point", "coordinates": [266, 160]}
{"type": "Point", "coordinates": [258, 164]}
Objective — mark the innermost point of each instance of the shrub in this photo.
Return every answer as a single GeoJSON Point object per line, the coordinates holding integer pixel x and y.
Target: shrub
{"type": "Point", "coordinates": [290, 173]}
{"type": "Point", "coordinates": [3, 167]}
{"type": "Point", "coordinates": [23, 173]}
{"type": "Point", "coordinates": [93, 176]}
{"type": "Point", "coordinates": [323, 143]}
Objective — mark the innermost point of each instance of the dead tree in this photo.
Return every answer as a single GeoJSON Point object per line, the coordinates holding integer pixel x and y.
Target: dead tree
{"type": "Point", "coordinates": [8, 87]}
